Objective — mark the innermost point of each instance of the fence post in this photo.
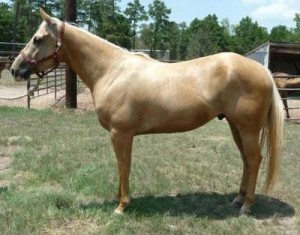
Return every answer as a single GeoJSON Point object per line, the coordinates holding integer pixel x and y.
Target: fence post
{"type": "Point", "coordinates": [71, 77]}
{"type": "Point", "coordinates": [28, 95]}
{"type": "Point", "coordinates": [55, 84]}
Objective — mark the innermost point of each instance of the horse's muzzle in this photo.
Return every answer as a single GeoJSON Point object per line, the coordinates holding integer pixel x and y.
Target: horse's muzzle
{"type": "Point", "coordinates": [22, 73]}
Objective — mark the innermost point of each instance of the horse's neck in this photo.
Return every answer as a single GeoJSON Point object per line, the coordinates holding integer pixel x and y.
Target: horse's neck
{"type": "Point", "coordinates": [89, 56]}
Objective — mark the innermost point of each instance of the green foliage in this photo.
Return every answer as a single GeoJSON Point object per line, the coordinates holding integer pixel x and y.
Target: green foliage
{"type": "Point", "coordinates": [159, 13]}
{"type": "Point", "coordinates": [248, 35]}
{"type": "Point", "coordinates": [103, 18]}
{"type": "Point", "coordinates": [280, 33]}
{"type": "Point", "coordinates": [135, 13]}
{"type": "Point", "coordinates": [297, 20]}
{"type": "Point", "coordinates": [116, 29]}
{"type": "Point", "coordinates": [206, 37]}
{"type": "Point", "coordinates": [296, 31]}
{"type": "Point", "coordinates": [6, 19]}
{"type": "Point", "coordinates": [26, 14]}
{"type": "Point", "coordinates": [18, 22]}
{"type": "Point", "coordinates": [173, 40]}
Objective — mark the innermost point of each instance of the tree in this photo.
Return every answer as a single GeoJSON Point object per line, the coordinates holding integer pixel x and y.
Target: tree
{"type": "Point", "coordinates": [206, 37]}
{"type": "Point", "coordinates": [103, 18]}
{"type": "Point", "coordinates": [26, 15]}
{"type": "Point", "coordinates": [71, 77]}
{"type": "Point", "coordinates": [228, 34]}
{"type": "Point", "coordinates": [160, 15]}
{"type": "Point", "coordinates": [92, 13]}
{"type": "Point", "coordinates": [6, 19]}
{"type": "Point", "coordinates": [183, 41]}
{"type": "Point", "coordinates": [295, 37]}
{"type": "Point", "coordinates": [136, 13]}
{"type": "Point", "coordinates": [297, 20]}
{"type": "Point", "coordinates": [173, 40]}
{"type": "Point", "coordinates": [248, 35]}
{"type": "Point", "coordinates": [146, 35]}
{"type": "Point", "coordinates": [280, 33]}
{"type": "Point", "coordinates": [115, 29]}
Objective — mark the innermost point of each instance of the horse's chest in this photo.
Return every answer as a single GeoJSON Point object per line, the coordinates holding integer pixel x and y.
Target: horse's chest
{"type": "Point", "coordinates": [103, 111]}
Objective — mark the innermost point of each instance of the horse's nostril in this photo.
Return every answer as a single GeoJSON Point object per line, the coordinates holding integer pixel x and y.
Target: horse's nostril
{"type": "Point", "coordinates": [12, 72]}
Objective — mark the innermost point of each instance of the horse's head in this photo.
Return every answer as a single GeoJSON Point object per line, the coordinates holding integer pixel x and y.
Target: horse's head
{"type": "Point", "coordinates": [42, 51]}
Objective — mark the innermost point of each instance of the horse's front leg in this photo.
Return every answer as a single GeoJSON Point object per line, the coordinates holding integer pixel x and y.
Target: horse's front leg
{"type": "Point", "coordinates": [122, 143]}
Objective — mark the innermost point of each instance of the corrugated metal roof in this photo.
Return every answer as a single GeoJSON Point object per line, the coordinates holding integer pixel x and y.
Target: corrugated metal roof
{"type": "Point", "coordinates": [279, 47]}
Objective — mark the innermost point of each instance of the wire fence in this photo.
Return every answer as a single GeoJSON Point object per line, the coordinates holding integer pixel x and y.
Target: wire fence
{"type": "Point", "coordinates": [51, 83]}
{"type": "Point", "coordinates": [26, 93]}
{"type": "Point", "coordinates": [14, 93]}
{"type": "Point", "coordinates": [293, 103]}
{"type": "Point", "coordinates": [10, 91]}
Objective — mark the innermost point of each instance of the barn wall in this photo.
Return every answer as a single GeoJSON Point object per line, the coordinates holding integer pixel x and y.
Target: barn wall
{"type": "Point", "coordinates": [261, 55]}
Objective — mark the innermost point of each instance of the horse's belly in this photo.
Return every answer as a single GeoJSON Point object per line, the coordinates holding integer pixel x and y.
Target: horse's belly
{"type": "Point", "coordinates": [169, 123]}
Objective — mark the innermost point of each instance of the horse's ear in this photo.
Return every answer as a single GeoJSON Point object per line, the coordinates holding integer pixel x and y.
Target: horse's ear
{"type": "Point", "coordinates": [45, 16]}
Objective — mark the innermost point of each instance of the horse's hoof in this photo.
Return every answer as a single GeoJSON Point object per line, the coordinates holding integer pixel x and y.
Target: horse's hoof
{"type": "Point", "coordinates": [118, 212]}
{"type": "Point", "coordinates": [238, 202]}
{"type": "Point", "coordinates": [245, 211]}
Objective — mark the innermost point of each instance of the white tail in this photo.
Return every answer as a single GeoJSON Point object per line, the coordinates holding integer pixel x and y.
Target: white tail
{"type": "Point", "coordinates": [272, 137]}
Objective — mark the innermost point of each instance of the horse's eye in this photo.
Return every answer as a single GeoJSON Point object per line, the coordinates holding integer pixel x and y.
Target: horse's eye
{"type": "Point", "coordinates": [37, 40]}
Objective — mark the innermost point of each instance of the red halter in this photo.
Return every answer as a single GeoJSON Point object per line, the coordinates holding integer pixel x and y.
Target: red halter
{"type": "Point", "coordinates": [34, 63]}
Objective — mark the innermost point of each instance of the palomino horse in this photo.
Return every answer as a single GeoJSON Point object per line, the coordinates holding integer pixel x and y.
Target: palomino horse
{"type": "Point", "coordinates": [282, 80]}
{"type": "Point", "coordinates": [134, 94]}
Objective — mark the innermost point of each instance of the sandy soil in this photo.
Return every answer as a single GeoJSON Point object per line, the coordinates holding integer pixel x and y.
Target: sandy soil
{"type": "Point", "coordinates": [84, 101]}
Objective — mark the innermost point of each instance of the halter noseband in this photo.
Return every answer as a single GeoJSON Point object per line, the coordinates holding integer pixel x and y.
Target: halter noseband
{"type": "Point", "coordinates": [34, 63]}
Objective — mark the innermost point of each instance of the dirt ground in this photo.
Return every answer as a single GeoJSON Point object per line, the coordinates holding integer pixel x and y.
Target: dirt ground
{"type": "Point", "coordinates": [84, 101]}
{"type": "Point", "coordinates": [294, 113]}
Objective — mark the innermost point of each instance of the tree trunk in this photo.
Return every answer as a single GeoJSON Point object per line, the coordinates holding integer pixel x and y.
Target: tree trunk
{"type": "Point", "coordinates": [71, 77]}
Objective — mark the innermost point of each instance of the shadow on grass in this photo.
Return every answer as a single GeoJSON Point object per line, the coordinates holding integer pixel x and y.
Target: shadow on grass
{"type": "Point", "coordinates": [208, 205]}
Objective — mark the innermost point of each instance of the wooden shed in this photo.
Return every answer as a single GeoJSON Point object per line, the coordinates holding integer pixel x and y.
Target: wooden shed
{"type": "Point", "coordinates": [278, 56]}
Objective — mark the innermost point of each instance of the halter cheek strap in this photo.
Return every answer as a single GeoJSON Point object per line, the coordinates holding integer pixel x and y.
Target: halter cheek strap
{"type": "Point", "coordinates": [54, 55]}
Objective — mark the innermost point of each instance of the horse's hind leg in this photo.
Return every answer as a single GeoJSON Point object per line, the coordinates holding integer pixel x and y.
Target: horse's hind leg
{"type": "Point", "coordinates": [122, 143]}
{"type": "Point", "coordinates": [251, 147]}
{"type": "Point", "coordinates": [239, 200]}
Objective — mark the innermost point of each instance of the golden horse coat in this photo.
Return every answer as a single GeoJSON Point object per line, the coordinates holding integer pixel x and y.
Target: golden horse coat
{"type": "Point", "coordinates": [134, 94]}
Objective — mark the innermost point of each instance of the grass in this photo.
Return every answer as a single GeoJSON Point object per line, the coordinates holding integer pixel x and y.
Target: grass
{"type": "Point", "coordinates": [64, 179]}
